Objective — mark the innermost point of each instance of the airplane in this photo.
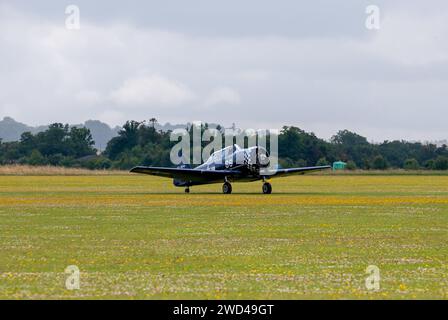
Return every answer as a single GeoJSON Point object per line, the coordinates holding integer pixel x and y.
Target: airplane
{"type": "Point", "coordinates": [227, 165]}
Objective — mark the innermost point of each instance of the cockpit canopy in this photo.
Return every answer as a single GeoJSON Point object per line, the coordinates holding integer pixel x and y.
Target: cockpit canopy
{"type": "Point", "coordinates": [220, 156]}
{"type": "Point", "coordinates": [232, 155]}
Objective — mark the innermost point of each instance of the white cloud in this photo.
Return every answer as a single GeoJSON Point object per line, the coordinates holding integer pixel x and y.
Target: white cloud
{"type": "Point", "coordinates": [253, 76]}
{"type": "Point", "coordinates": [411, 39]}
{"type": "Point", "coordinates": [89, 97]}
{"type": "Point", "coordinates": [223, 96]}
{"type": "Point", "coordinates": [152, 90]}
{"type": "Point", "coordinates": [112, 117]}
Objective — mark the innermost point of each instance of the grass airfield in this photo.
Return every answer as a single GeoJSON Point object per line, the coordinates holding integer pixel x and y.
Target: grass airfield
{"type": "Point", "coordinates": [140, 237]}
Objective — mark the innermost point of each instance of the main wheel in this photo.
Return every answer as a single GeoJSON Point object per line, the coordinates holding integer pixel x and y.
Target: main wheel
{"type": "Point", "coordinates": [226, 188]}
{"type": "Point", "coordinates": [187, 190]}
{"type": "Point", "coordinates": [267, 188]}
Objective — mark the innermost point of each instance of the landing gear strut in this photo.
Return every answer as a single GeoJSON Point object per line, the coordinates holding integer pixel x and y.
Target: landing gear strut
{"type": "Point", "coordinates": [187, 190]}
{"type": "Point", "coordinates": [227, 188]}
{"type": "Point", "coordinates": [267, 188]}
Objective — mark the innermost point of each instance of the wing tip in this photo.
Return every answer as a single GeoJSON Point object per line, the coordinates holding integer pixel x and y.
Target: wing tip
{"type": "Point", "coordinates": [135, 169]}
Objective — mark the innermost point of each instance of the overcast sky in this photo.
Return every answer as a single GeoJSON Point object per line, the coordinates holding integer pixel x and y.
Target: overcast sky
{"type": "Point", "coordinates": [260, 64]}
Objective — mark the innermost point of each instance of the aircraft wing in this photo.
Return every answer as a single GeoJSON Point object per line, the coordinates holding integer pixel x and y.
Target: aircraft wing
{"type": "Point", "coordinates": [296, 171]}
{"type": "Point", "coordinates": [185, 173]}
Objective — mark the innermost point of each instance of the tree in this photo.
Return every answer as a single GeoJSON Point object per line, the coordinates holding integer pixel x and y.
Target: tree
{"type": "Point", "coordinates": [379, 163]}
{"type": "Point", "coordinates": [126, 140]}
{"type": "Point", "coordinates": [411, 164]}
{"type": "Point", "coordinates": [52, 140]}
{"type": "Point", "coordinates": [80, 142]}
{"type": "Point", "coordinates": [322, 162]}
{"type": "Point", "coordinates": [153, 122]}
{"type": "Point", "coordinates": [430, 164]}
{"type": "Point", "coordinates": [53, 146]}
{"type": "Point", "coordinates": [441, 163]}
{"type": "Point", "coordinates": [351, 146]}
{"type": "Point", "coordinates": [351, 165]}
{"type": "Point", "coordinates": [297, 144]}
{"type": "Point", "coordinates": [345, 137]}
{"type": "Point", "coordinates": [98, 163]}
{"type": "Point", "coordinates": [36, 158]}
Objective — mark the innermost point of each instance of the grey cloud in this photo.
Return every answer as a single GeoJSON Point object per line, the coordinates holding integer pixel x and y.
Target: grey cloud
{"type": "Point", "coordinates": [255, 63]}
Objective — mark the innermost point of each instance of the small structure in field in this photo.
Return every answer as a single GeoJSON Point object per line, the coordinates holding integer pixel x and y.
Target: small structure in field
{"type": "Point", "coordinates": [339, 165]}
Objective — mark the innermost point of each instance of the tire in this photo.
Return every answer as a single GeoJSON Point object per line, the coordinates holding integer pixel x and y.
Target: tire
{"type": "Point", "coordinates": [227, 188]}
{"type": "Point", "coordinates": [267, 188]}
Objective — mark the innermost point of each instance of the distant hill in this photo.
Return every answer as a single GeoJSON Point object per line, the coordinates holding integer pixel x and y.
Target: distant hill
{"type": "Point", "coordinates": [101, 132]}
{"type": "Point", "coordinates": [11, 130]}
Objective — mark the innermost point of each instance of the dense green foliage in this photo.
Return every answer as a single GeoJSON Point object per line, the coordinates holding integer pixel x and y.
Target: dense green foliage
{"type": "Point", "coordinates": [58, 145]}
{"type": "Point", "coordinates": [139, 143]}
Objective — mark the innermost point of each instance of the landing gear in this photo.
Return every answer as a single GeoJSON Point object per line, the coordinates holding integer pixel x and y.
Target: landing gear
{"type": "Point", "coordinates": [187, 190]}
{"type": "Point", "coordinates": [267, 188]}
{"type": "Point", "coordinates": [227, 188]}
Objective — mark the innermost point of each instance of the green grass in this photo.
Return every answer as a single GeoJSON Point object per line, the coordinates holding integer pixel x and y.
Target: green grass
{"type": "Point", "coordinates": [139, 237]}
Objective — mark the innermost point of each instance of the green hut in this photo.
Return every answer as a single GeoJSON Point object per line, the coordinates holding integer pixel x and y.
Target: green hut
{"type": "Point", "coordinates": [339, 165]}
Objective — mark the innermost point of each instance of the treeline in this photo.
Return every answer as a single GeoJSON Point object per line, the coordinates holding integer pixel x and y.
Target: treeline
{"type": "Point", "coordinates": [140, 143]}
{"type": "Point", "coordinates": [59, 145]}
{"type": "Point", "coordinates": [357, 152]}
